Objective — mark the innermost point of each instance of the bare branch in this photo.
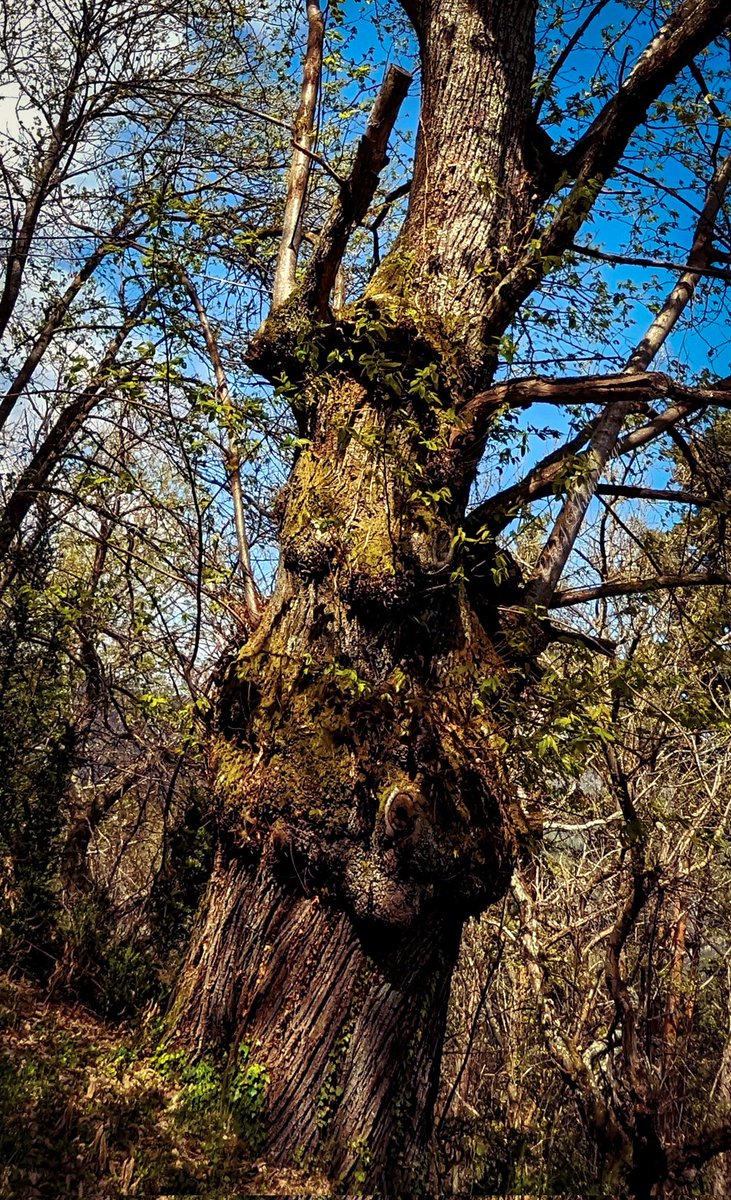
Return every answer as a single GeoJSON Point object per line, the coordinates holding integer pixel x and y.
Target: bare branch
{"type": "Point", "coordinates": [233, 457]}
{"type": "Point", "coordinates": [33, 478]}
{"type": "Point", "coordinates": [498, 511]}
{"type": "Point", "coordinates": [628, 260]}
{"type": "Point", "coordinates": [566, 50]}
{"type": "Point", "coordinates": [58, 310]}
{"type": "Point", "coordinates": [629, 492]}
{"type": "Point", "coordinates": [566, 529]}
{"type": "Point", "coordinates": [357, 192]}
{"type": "Point", "coordinates": [299, 173]}
{"type": "Point", "coordinates": [637, 587]}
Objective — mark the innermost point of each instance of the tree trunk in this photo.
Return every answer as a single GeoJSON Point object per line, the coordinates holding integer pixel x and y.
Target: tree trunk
{"type": "Point", "coordinates": [474, 192]}
{"type": "Point", "coordinates": [360, 769]}
{"type": "Point", "coordinates": [348, 1023]}
{"type": "Point", "coordinates": [364, 810]}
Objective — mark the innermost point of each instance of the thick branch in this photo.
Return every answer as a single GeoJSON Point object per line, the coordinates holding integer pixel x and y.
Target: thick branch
{"type": "Point", "coordinates": [357, 191]}
{"type": "Point", "coordinates": [686, 32]}
{"type": "Point", "coordinates": [697, 1151]}
{"type": "Point", "coordinates": [631, 390]}
{"type": "Point", "coordinates": [637, 587]}
{"type": "Point", "coordinates": [693, 25]}
{"type": "Point", "coordinates": [299, 173]}
{"type": "Point", "coordinates": [663, 422]}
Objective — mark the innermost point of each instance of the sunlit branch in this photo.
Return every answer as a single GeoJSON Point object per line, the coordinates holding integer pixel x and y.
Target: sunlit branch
{"type": "Point", "coordinates": [233, 458]}
{"type": "Point", "coordinates": [356, 193]}
{"type": "Point", "coordinates": [629, 260]}
{"type": "Point", "coordinates": [629, 492]}
{"type": "Point", "coordinates": [562, 538]}
{"type": "Point", "coordinates": [299, 173]}
{"type": "Point", "coordinates": [632, 390]}
{"type": "Point", "coordinates": [637, 587]}
{"type": "Point", "coordinates": [691, 27]}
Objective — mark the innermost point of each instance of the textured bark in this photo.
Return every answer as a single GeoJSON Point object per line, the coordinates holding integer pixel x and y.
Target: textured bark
{"type": "Point", "coordinates": [356, 766]}
{"type": "Point", "coordinates": [349, 1024]}
{"type": "Point", "coordinates": [474, 192]}
{"type": "Point", "coordinates": [299, 173]}
{"type": "Point", "coordinates": [358, 737]}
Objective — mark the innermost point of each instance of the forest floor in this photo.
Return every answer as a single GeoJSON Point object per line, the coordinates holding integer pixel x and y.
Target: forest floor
{"type": "Point", "coordinates": [95, 1109]}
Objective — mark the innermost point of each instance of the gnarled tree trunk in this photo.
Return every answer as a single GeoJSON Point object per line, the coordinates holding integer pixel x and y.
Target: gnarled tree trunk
{"type": "Point", "coordinates": [363, 806]}
{"type": "Point", "coordinates": [364, 809]}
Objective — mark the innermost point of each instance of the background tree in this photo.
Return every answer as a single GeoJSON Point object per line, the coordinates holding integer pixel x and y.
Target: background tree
{"type": "Point", "coordinates": [611, 1009]}
{"type": "Point", "coordinates": [119, 581]}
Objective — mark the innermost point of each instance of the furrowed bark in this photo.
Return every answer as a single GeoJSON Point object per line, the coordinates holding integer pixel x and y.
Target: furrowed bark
{"type": "Point", "coordinates": [473, 189]}
{"type": "Point", "coordinates": [329, 1011]}
{"type": "Point", "coordinates": [355, 767]}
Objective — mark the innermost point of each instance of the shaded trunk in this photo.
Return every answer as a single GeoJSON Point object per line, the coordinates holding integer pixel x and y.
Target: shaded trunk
{"type": "Point", "coordinates": [349, 1024]}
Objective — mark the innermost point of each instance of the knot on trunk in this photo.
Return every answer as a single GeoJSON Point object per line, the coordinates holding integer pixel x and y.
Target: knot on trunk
{"type": "Point", "coordinates": [400, 815]}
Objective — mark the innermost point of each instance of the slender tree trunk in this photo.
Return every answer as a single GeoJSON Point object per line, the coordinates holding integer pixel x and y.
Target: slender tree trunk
{"type": "Point", "coordinates": [719, 1172]}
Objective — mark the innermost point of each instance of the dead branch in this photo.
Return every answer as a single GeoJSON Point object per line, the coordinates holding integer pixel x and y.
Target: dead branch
{"type": "Point", "coordinates": [299, 172]}
{"type": "Point", "coordinates": [357, 192]}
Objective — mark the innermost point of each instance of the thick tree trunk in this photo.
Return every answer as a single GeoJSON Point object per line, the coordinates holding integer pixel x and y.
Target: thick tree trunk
{"type": "Point", "coordinates": [475, 190]}
{"type": "Point", "coordinates": [364, 808]}
{"type": "Point", "coordinates": [364, 812]}
{"type": "Point", "coordinates": [349, 1024]}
